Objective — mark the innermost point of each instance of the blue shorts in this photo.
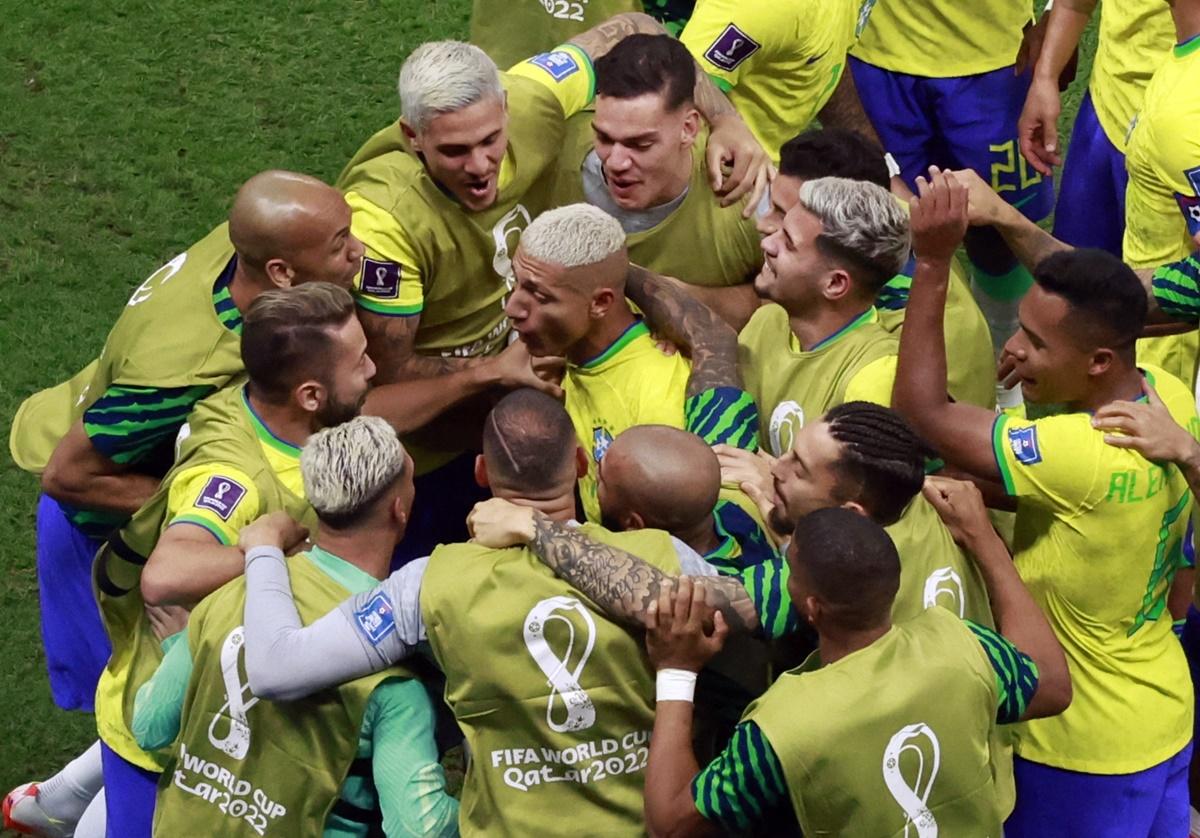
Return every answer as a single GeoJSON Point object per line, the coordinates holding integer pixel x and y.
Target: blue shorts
{"type": "Point", "coordinates": [1091, 193]}
{"type": "Point", "coordinates": [76, 644]}
{"type": "Point", "coordinates": [1055, 803]}
{"type": "Point", "coordinates": [962, 123]}
{"type": "Point", "coordinates": [1190, 638]}
{"type": "Point", "coordinates": [129, 792]}
{"type": "Point", "coordinates": [444, 497]}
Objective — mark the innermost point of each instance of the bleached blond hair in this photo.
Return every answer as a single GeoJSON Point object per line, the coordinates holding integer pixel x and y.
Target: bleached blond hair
{"type": "Point", "coordinates": [861, 219]}
{"type": "Point", "coordinates": [347, 467]}
{"type": "Point", "coordinates": [573, 236]}
{"type": "Point", "coordinates": [442, 77]}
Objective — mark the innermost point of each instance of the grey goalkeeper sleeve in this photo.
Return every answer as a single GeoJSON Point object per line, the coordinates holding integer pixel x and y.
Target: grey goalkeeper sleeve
{"type": "Point", "coordinates": [368, 632]}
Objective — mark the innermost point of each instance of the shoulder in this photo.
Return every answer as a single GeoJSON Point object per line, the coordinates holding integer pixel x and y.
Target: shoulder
{"type": "Point", "coordinates": [769, 318]}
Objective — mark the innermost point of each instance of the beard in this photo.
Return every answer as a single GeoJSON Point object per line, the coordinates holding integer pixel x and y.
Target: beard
{"type": "Point", "coordinates": [335, 412]}
{"type": "Point", "coordinates": [779, 520]}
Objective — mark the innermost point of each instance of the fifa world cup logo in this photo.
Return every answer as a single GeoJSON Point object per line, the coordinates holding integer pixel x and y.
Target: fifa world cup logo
{"type": "Point", "coordinates": [236, 742]}
{"type": "Point", "coordinates": [506, 234]}
{"type": "Point", "coordinates": [562, 678]}
{"type": "Point", "coordinates": [787, 419]}
{"type": "Point", "coordinates": [918, 748]}
{"type": "Point", "coordinates": [945, 583]}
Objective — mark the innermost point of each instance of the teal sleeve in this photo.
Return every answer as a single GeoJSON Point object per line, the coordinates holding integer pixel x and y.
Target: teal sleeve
{"type": "Point", "coordinates": [407, 774]}
{"type": "Point", "coordinates": [1016, 673]}
{"type": "Point", "coordinates": [127, 423]}
{"type": "Point", "coordinates": [766, 583]}
{"type": "Point", "coordinates": [723, 415]}
{"type": "Point", "coordinates": [743, 784]}
{"type": "Point", "coordinates": [1177, 288]}
{"type": "Point", "coordinates": [159, 703]}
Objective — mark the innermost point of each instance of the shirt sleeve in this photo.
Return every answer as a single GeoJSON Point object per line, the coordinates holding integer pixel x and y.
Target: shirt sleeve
{"type": "Point", "coordinates": [127, 423]}
{"type": "Point", "coordinates": [404, 762]}
{"type": "Point", "coordinates": [743, 783]}
{"type": "Point", "coordinates": [216, 496]}
{"type": "Point", "coordinates": [367, 633]}
{"type": "Point", "coordinates": [158, 706]}
{"type": "Point", "coordinates": [391, 281]}
{"type": "Point", "coordinates": [1051, 461]}
{"type": "Point", "coordinates": [567, 72]}
{"type": "Point", "coordinates": [1016, 673]}
{"type": "Point", "coordinates": [723, 415]}
{"type": "Point", "coordinates": [766, 583]}
{"type": "Point", "coordinates": [723, 36]}
{"type": "Point", "coordinates": [874, 382]}
{"type": "Point", "coordinates": [1177, 288]}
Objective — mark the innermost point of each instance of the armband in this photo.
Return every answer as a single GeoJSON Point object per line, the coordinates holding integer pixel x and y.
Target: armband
{"type": "Point", "coordinates": [675, 685]}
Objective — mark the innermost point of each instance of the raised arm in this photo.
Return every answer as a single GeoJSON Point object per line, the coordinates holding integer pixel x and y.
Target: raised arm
{"type": "Point", "coordinates": [961, 433]}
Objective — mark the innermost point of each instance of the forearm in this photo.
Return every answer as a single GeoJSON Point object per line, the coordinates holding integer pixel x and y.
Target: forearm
{"type": "Point", "coordinates": [80, 476]}
{"type": "Point", "coordinates": [1067, 21]}
{"type": "Point", "coordinates": [735, 304]}
{"type": "Point", "coordinates": [670, 809]}
{"type": "Point", "coordinates": [183, 572]}
{"type": "Point", "coordinates": [920, 388]}
{"type": "Point", "coordinates": [158, 706]}
{"type": "Point", "coordinates": [844, 110]}
{"type": "Point", "coordinates": [598, 40]}
{"type": "Point", "coordinates": [1028, 242]}
{"type": "Point", "coordinates": [1190, 466]}
{"type": "Point", "coordinates": [673, 312]}
{"type": "Point", "coordinates": [621, 584]}
{"type": "Point", "coordinates": [417, 400]}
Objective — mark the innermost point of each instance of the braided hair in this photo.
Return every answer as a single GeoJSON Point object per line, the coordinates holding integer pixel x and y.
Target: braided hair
{"type": "Point", "coordinates": [882, 459]}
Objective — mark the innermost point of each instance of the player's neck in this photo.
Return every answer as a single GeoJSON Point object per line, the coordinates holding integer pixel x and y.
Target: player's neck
{"type": "Point", "coordinates": [702, 537]}
{"type": "Point", "coordinates": [1122, 384]}
{"type": "Point", "coordinates": [283, 420]}
{"type": "Point", "coordinates": [837, 644]}
{"type": "Point", "coordinates": [559, 508]}
{"type": "Point", "coordinates": [1186, 14]}
{"type": "Point", "coordinates": [822, 322]}
{"type": "Point", "coordinates": [367, 548]}
{"type": "Point", "coordinates": [246, 285]}
{"type": "Point", "coordinates": [604, 334]}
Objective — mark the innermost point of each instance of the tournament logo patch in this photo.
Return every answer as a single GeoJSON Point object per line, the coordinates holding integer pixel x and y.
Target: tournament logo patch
{"type": "Point", "coordinates": [601, 440]}
{"type": "Point", "coordinates": [1024, 444]}
{"type": "Point", "coordinates": [559, 64]}
{"type": "Point", "coordinates": [377, 619]}
{"type": "Point", "coordinates": [732, 48]}
{"type": "Point", "coordinates": [221, 496]}
{"type": "Point", "coordinates": [1189, 205]}
{"type": "Point", "coordinates": [381, 279]}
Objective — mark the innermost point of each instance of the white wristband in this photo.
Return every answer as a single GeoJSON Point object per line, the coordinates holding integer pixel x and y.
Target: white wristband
{"type": "Point", "coordinates": [893, 166]}
{"type": "Point", "coordinates": [675, 685]}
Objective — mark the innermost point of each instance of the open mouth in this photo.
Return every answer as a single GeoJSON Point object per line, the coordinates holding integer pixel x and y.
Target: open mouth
{"type": "Point", "coordinates": [479, 188]}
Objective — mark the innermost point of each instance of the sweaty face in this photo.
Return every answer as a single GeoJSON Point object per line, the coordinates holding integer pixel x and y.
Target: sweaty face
{"type": "Point", "coordinates": [546, 310]}
{"type": "Point", "coordinates": [793, 266]}
{"type": "Point", "coordinates": [463, 150]}
{"type": "Point", "coordinates": [330, 252]}
{"type": "Point", "coordinates": [646, 150]}
{"type": "Point", "coordinates": [1051, 365]}
{"type": "Point", "coordinates": [349, 376]}
{"type": "Point", "coordinates": [806, 477]}
{"type": "Point", "coordinates": [784, 194]}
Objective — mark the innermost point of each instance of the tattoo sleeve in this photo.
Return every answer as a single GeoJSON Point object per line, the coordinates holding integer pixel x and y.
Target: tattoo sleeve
{"type": "Point", "coordinates": [604, 36]}
{"type": "Point", "coordinates": [621, 584]}
{"type": "Point", "coordinates": [844, 110]}
{"type": "Point", "coordinates": [390, 343]}
{"type": "Point", "coordinates": [708, 340]}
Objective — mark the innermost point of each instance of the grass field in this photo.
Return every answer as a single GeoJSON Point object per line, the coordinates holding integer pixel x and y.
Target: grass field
{"type": "Point", "coordinates": [126, 129]}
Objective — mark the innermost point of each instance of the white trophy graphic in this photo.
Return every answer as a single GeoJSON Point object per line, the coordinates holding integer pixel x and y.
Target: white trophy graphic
{"type": "Point", "coordinates": [913, 797]}
{"type": "Point", "coordinates": [237, 742]}
{"type": "Point", "coordinates": [563, 681]}
{"type": "Point", "coordinates": [945, 582]}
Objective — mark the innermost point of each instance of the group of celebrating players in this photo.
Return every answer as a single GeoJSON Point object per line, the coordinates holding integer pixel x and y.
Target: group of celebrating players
{"type": "Point", "coordinates": [312, 517]}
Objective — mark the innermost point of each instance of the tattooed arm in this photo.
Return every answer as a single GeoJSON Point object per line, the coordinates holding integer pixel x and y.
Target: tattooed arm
{"type": "Point", "coordinates": [705, 337]}
{"type": "Point", "coordinates": [844, 110]}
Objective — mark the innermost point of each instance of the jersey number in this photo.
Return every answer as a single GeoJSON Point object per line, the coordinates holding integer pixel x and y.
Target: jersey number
{"type": "Point", "coordinates": [1011, 163]}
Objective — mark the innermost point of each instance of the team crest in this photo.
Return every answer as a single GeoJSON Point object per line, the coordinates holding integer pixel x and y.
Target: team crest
{"type": "Point", "coordinates": [381, 279]}
{"type": "Point", "coordinates": [1024, 444]}
{"type": "Point", "coordinates": [376, 619]}
{"type": "Point", "coordinates": [1189, 205]}
{"type": "Point", "coordinates": [559, 64]}
{"type": "Point", "coordinates": [221, 496]}
{"type": "Point", "coordinates": [731, 48]}
{"type": "Point", "coordinates": [601, 440]}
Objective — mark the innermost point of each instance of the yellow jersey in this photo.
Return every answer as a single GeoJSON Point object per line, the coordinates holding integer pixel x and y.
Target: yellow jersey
{"type": "Point", "coordinates": [943, 38]}
{"type": "Point", "coordinates": [1099, 534]}
{"type": "Point", "coordinates": [779, 62]}
{"type": "Point", "coordinates": [1135, 37]}
{"type": "Point", "coordinates": [631, 383]}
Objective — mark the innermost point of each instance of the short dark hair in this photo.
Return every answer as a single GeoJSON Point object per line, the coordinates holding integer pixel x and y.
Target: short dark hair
{"type": "Point", "coordinates": [1107, 300]}
{"type": "Point", "coordinates": [852, 564]}
{"type": "Point", "coordinates": [527, 440]}
{"type": "Point", "coordinates": [882, 463]}
{"type": "Point", "coordinates": [286, 336]}
{"type": "Point", "coordinates": [833, 152]}
{"type": "Point", "coordinates": [641, 64]}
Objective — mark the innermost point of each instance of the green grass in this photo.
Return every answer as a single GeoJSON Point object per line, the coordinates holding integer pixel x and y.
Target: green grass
{"type": "Point", "coordinates": [126, 129]}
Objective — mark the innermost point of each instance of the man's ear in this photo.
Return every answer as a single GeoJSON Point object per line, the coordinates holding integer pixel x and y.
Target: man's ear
{"type": "Point", "coordinates": [581, 462]}
{"type": "Point", "coordinates": [602, 301]}
{"type": "Point", "coordinates": [414, 139]}
{"type": "Point", "coordinates": [399, 513]}
{"type": "Point", "coordinates": [634, 521]}
{"type": "Point", "coordinates": [310, 395]}
{"type": "Point", "coordinates": [812, 610]}
{"type": "Point", "coordinates": [691, 128]}
{"type": "Point", "coordinates": [838, 284]}
{"type": "Point", "coordinates": [855, 506]}
{"type": "Point", "coordinates": [280, 273]}
{"type": "Point", "coordinates": [1101, 361]}
{"type": "Point", "coordinates": [481, 472]}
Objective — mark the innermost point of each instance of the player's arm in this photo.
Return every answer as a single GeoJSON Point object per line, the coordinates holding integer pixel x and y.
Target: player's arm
{"type": "Point", "coordinates": [621, 584]}
{"type": "Point", "coordinates": [1037, 129]}
{"type": "Point", "coordinates": [1027, 692]}
{"type": "Point", "coordinates": [286, 660]}
{"type": "Point", "coordinates": [158, 706]}
{"type": "Point", "coordinates": [961, 433]}
{"type": "Point", "coordinates": [79, 475]}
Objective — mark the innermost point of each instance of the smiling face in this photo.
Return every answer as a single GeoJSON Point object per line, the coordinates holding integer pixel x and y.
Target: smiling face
{"type": "Point", "coordinates": [784, 193]}
{"type": "Point", "coordinates": [330, 252]}
{"type": "Point", "coordinates": [463, 150]}
{"type": "Point", "coordinates": [645, 148]}
{"type": "Point", "coordinates": [1052, 365]}
{"type": "Point", "coordinates": [794, 269]}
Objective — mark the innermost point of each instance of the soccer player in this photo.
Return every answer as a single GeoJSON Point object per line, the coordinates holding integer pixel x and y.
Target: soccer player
{"type": "Point", "coordinates": [636, 157]}
{"type": "Point", "coordinates": [817, 341]}
{"type": "Point", "coordinates": [898, 719]}
{"type": "Point", "coordinates": [944, 83]}
{"type": "Point", "coordinates": [440, 198]}
{"type": "Point", "coordinates": [102, 440]}
{"type": "Point", "coordinates": [554, 698]}
{"type": "Point", "coordinates": [572, 272]}
{"type": "Point", "coordinates": [1098, 529]}
{"type": "Point", "coordinates": [832, 152]}
{"type": "Point", "coordinates": [511, 31]}
{"type": "Point", "coordinates": [1134, 38]}
{"type": "Point", "coordinates": [358, 759]}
